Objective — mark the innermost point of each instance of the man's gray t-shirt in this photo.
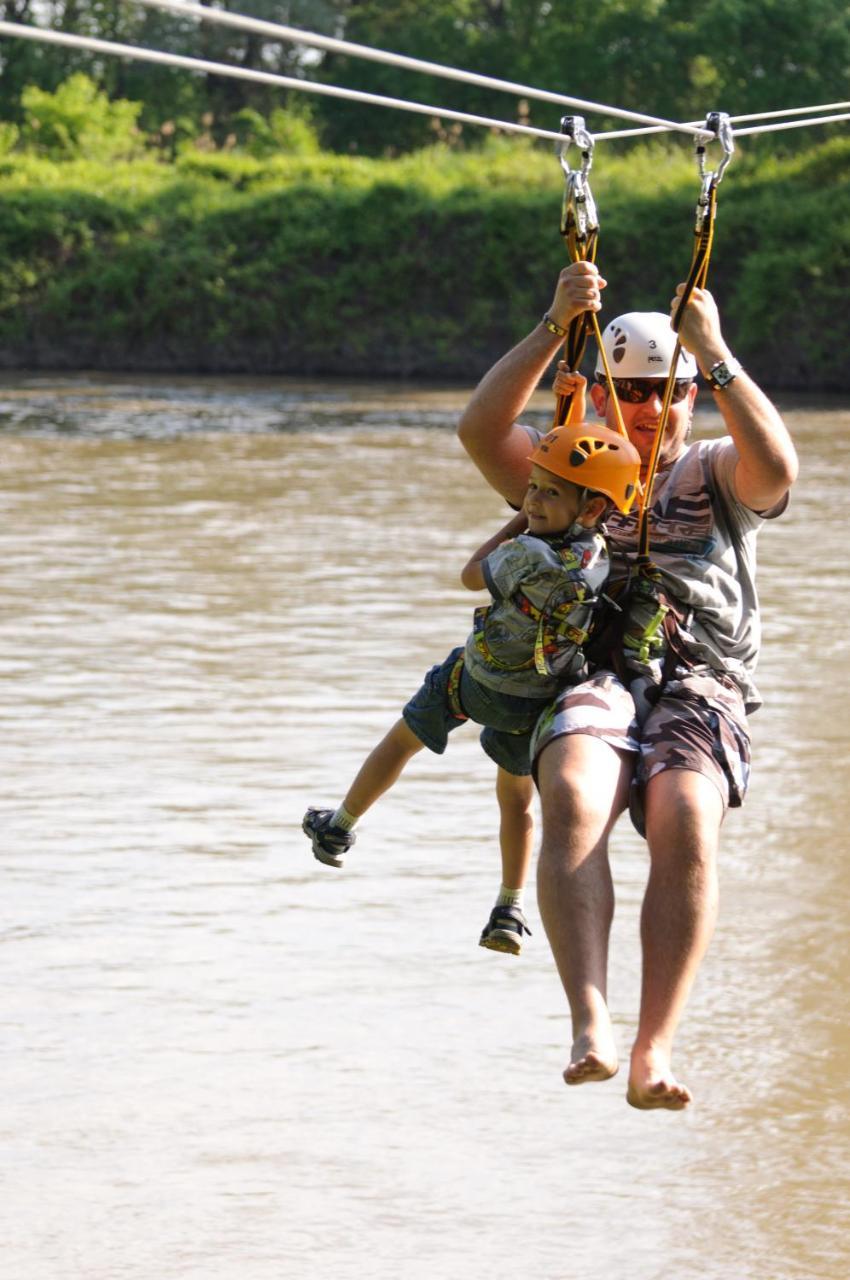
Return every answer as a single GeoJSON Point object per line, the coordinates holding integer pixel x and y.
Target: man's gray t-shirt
{"type": "Point", "coordinates": [703, 541]}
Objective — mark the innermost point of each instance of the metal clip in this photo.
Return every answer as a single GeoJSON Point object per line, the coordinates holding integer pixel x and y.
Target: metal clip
{"type": "Point", "coordinates": [704, 202]}
{"type": "Point", "coordinates": [575, 130]}
{"type": "Point", "coordinates": [717, 126]}
{"type": "Point", "coordinates": [579, 207]}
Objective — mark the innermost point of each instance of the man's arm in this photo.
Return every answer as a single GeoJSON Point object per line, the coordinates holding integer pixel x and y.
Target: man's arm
{"type": "Point", "coordinates": [767, 459]}
{"type": "Point", "coordinates": [472, 575]}
{"type": "Point", "coordinates": [488, 428]}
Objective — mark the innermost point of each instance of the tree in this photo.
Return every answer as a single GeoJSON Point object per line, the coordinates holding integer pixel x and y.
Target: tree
{"type": "Point", "coordinates": [662, 57]}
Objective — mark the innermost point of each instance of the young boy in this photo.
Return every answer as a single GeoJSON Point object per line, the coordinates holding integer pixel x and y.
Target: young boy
{"type": "Point", "coordinates": [525, 646]}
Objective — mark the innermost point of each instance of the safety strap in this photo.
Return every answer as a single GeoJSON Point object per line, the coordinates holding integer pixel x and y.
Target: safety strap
{"type": "Point", "coordinates": [717, 124]}
{"type": "Point", "coordinates": [660, 635]}
{"type": "Point", "coordinates": [553, 631]}
{"type": "Point", "coordinates": [453, 689]}
{"type": "Point", "coordinates": [580, 232]}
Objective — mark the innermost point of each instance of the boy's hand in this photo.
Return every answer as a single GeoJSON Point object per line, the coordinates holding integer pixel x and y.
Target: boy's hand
{"type": "Point", "coordinates": [571, 384]}
{"type": "Point", "coordinates": [566, 382]}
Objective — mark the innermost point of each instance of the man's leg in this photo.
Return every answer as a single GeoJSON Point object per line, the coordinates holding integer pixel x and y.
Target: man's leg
{"type": "Point", "coordinates": [684, 810]}
{"type": "Point", "coordinates": [583, 785]}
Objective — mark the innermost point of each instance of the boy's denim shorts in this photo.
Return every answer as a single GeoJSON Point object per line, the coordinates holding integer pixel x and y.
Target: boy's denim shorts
{"type": "Point", "coordinates": [508, 721]}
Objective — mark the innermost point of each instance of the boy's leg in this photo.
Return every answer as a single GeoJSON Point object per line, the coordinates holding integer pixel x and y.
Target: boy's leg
{"type": "Point", "coordinates": [332, 831]}
{"type": "Point", "coordinates": [381, 768]}
{"type": "Point", "coordinates": [426, 721]}
{"type": "Point", "coordinates": [516, 826]}
{"type": "Point", "coordinates": [506, 926]}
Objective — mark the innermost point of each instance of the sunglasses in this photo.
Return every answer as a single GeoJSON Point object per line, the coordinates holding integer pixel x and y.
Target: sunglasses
{"type": "Point", "coordinates": [639, 390]}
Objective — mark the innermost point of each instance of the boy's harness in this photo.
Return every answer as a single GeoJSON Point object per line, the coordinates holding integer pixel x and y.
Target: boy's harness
{"type": "Point", "coordinates": [555, 633]}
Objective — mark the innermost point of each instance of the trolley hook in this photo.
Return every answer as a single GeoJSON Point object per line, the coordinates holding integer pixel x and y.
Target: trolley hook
{"type": "Point", "coordinates": [718, 126]}
{"type": "Point", "coordinates": [579, 206]}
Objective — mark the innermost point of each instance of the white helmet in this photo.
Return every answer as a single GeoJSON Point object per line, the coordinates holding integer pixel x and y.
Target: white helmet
{"type": "Point", "coordinates": [640, 345]}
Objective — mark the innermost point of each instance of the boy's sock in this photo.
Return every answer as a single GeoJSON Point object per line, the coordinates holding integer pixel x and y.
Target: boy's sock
{"type": "Point", "coordinates": [342, 818]}
{"type": "Point", "coordinates": [509, 898]}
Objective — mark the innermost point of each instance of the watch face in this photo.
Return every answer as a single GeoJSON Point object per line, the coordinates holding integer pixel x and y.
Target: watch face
{"type": "Point", "coordinates": [722, 374]}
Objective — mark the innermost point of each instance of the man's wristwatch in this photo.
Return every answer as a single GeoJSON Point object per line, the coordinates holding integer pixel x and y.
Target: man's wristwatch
{"type": "Point", "coordinates": [721, 374]}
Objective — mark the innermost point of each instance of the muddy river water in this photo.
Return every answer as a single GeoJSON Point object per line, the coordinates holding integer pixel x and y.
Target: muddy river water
{"type": "Point", "coordinates": [222, 1060]}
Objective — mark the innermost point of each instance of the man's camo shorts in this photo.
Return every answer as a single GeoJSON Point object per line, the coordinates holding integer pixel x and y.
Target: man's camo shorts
{"type": "Point", "coordinates": [698, 723]}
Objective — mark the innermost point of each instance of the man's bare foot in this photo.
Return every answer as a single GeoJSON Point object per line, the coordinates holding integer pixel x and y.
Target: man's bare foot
{"type": "Point", "coordinates": [653, 1085]}
{"type": "Point", "coordinates": [593, 1058]}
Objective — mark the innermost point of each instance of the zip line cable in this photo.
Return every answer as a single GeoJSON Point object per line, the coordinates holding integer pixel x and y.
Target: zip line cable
{"type": "Point", "coordinates": [611, 135]}
{"type": "Point", "coordinates": [615, 134]}
{"type": "Point", "coordinates": [275, 30]}
{"type": "Point", "coordinates": [92, 44]}
{"type": "Point", "coordinates": [789, 111]}
{"type": "Point", "coordinates": [261, 77]}
{"type": "Point", "coordinates": [792, 124]}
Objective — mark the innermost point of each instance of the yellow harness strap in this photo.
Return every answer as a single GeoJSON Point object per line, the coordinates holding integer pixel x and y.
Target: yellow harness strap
{"type": "Point", "coordinates": [580, 232]}
{"type": "Point", "coordinates": [718, 124]}
{"type": "Point", "coordinates": [453, 689]}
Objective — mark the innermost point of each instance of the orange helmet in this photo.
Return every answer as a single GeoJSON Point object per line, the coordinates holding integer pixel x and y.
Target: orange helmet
{"type": "Point", "coordinates": [593, 457]}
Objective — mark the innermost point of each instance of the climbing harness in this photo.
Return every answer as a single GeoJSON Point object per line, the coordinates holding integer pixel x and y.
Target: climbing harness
{"type": "Point", "coordinates": [559, 636]}
{"type": "Point", "coordinates": [641, 631]}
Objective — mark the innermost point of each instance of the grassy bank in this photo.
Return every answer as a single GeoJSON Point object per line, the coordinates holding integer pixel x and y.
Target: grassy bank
{"type": "Point", "coordinates": [426, 266]}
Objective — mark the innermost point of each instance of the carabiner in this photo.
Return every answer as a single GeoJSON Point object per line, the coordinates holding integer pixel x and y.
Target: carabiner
{"type": "Point", "coordinates": [579, 208]}
{"type": "Point", "coordinates": [575, 130]}
{"type": "Point", "coordinates": [718, 126]}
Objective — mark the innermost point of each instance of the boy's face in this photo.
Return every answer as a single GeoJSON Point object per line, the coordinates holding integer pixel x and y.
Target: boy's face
{"type": "Point", "coordinates": [551, 504]}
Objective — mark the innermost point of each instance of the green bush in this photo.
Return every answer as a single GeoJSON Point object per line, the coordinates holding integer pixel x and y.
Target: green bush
{"type": "Point", "coordinates": [283, 133]}
{"type": "Point", "coordinates": [9, 135]}
{"type": "Point", "coordinates": [428, 266]}
{"type": "Point", "coordinates": [79, 120]}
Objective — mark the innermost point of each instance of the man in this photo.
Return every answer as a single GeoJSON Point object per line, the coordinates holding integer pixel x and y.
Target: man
{"type": "Point", "coordinates": [689, 761]}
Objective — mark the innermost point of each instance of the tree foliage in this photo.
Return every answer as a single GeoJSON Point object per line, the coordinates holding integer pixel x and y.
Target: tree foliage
{"type": "Point", "coordinates": [79, 120]}
{"type": "Point", "coordinates": [430, 264]}
{"type": "Point", "coordinates": [663, 57]}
